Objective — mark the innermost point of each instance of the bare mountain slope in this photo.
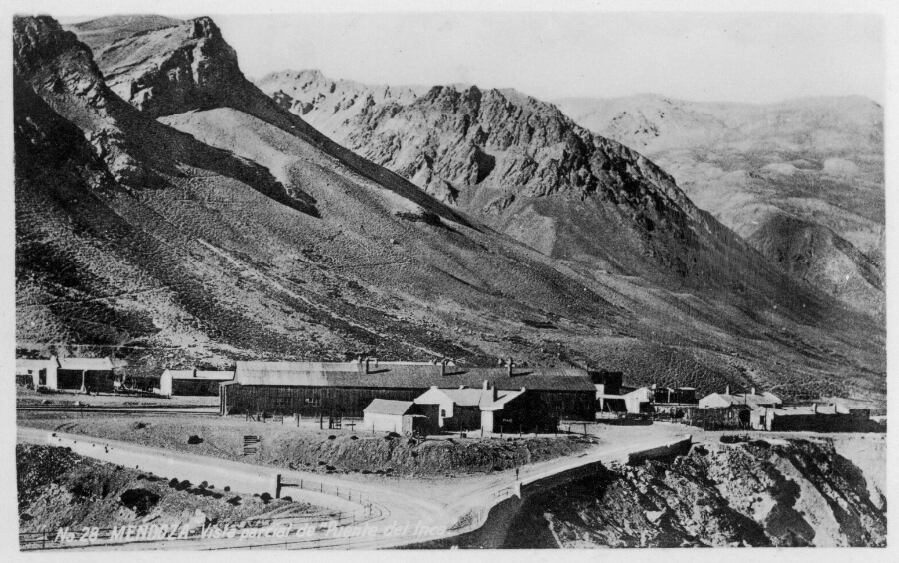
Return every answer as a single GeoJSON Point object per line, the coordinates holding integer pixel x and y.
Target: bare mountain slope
{"type": "Point", "coordinates": [801, 180]}
{"type": "Point", "coordinates": [237, 230]}
{"type": "Point", "coordinates": [526, 169]}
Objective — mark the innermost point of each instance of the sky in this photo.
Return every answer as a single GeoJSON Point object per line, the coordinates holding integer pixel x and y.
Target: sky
{"type": "Point", "coordinates": [749, 57]}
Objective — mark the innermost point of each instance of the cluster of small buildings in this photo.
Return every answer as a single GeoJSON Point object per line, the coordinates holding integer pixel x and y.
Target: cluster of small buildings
{"type": "Point", "coordinates": [426, 397]}
{"type": "Point", "coordinates": [84, 374]}
{"type": "Point", "coordinates": [718, 411]}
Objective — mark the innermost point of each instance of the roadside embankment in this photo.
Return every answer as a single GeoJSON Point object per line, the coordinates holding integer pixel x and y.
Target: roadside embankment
{"type": "Point", "coordinates": [788, 492]}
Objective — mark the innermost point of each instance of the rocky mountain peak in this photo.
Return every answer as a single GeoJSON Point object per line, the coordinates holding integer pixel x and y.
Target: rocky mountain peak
{"type": "Point", "coordinates": [171, 69]}
{"type": "Point", "coordinates": [61, 69]}
{"type": "Point", "coordinates": [38, 38]}
{"type": "Point", "coordinates": [527, 169]}
{"type": "Point", "coordinates": [205, 28]}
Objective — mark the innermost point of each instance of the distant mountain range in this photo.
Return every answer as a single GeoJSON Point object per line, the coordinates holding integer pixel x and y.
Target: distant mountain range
{"type": "Point", "coordinates": [170, 210]}
{"type": "Point", "coordinates": [802, 181]}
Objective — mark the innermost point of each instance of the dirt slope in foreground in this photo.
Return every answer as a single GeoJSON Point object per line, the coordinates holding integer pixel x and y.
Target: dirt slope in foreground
{"type": "Point", "coordinates": [57, 489]}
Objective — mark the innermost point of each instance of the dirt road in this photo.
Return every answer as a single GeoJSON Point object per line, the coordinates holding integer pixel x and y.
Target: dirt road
{"type": "Point", "coordinates": [383, 513]}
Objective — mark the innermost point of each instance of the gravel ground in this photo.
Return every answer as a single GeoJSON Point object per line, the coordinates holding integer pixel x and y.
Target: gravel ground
{"type": "Point", "coordinates": [310, 448]}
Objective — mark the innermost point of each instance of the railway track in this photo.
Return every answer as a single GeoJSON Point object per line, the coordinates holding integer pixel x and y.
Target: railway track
{"type": "Point", "coordinates": [194, 410]}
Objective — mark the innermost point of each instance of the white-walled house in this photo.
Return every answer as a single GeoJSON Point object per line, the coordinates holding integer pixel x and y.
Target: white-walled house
{"type": "Point", "coordinates": [39, 373]}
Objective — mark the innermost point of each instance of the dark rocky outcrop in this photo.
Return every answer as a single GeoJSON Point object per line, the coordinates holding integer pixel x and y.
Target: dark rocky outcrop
{"type": "Point", "coordinates": [797, 493]}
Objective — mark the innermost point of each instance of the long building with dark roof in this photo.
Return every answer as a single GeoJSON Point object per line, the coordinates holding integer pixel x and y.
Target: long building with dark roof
{"type": "Point", "coordinates": [346, 388]}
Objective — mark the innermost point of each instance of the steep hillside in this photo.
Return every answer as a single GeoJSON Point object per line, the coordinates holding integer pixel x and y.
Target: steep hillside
{"type": "Point", "coordinates": [791, 493]}
{"type": "Point", "coordinates": [801, 180]}
{"type": "Point", "coordinates": [201, 222]}
{"type": "Point", "coordinates": [526, 169]}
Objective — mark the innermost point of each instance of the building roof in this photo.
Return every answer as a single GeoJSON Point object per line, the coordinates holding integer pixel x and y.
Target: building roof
{"type": "Point", "coordinates": [502, 399]}
{"type": "Point", "coordinates": [384, 406]}
{"type": "Point", "coordinates": [91, 364]}
{"type": "Point", "coordinates": [25, 363]}
{"type": "Point", "coordinates": [741, 399]}
{"type": "Point", "coordinates": [214, 375]}
{"type": "Point", "coordinates": [809, 410]}
{"type": "Point", "coordinates": [409, 376]}
{"type": "Point", "coordinates": [481, 398]}
{"type": "Point", "coordinates": [772, 397]}
{"type": "Point", "coordinates": [640, 393]}
{"type": "Point", "coordinates": [178, 373]}
{"type": "Point", "coordinates": [469, 397]}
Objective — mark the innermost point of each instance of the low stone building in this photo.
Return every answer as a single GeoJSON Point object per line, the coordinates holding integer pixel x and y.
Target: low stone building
{"type": "Point", "coordinates": [814, 418]}
{"type": "Point", "coordinates": [402, 417]}
{"type": "Point", "coordinates": [37, 373]}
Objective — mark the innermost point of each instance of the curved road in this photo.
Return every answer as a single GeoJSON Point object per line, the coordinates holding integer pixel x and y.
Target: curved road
{"type": "Point", "coordinates": [385, 513]}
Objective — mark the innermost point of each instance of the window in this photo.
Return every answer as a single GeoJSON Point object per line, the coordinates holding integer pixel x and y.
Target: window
{"type": "Point", "coordinates": [443, 413]}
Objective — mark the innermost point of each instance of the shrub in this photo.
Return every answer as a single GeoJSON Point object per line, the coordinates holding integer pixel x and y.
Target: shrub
{"type": "Point", "coordinates": [194, 439]}
{"type": "Point", "coordinates": [141, 501]}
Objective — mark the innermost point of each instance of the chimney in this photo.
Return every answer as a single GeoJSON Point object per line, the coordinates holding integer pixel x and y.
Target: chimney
{"type": "Point", "coordinates": [509, 369]}
{"type": "Point", "coordinates": [485, 386]}
{"type": "Point", "coordinates": [494, 393]}
{"type": "Point", "coordinates": [752, 391]}
{"type": "Point", "coordinates": [815, 408]}
{"type": "Point", "coordinates": [367, 360]}
{"type": "Point", "coordinates": [727, 389]}
{"type": "Point", "coordinates": [443, 367]}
